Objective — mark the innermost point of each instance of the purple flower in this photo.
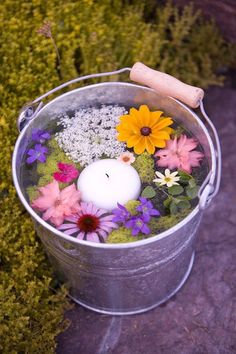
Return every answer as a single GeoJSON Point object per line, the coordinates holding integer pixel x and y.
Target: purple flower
{"type": "Point", "coordinates": [146, 208]}
{"type": "Point", "coordinates": [138, 224]}
{"type": "Point", "coordinates": [121, 214]}
{"type": "Point", "coordinates": [37, 153]}
{"type": "Point", "coordinates": [40, 136]}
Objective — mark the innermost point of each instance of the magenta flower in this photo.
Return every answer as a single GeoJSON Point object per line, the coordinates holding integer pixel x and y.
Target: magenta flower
{"type": "Point", "coordinates": [67, 173]}
{"type": "Point", "coordinates": [57, 204]}
{"type": "Point", "coordinates": [90, 223]}
{"type": "Point", "coordinates": [37, 153]}
{"type": "Point", "coordinates": [179, 154]}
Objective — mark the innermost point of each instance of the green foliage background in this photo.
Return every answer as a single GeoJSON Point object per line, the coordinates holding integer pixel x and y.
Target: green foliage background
{"type": "Point", "coordinates": [92, 36]}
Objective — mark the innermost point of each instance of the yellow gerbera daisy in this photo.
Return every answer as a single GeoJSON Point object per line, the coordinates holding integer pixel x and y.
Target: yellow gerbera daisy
{"type": "Point", "coordinates": [144, 130]}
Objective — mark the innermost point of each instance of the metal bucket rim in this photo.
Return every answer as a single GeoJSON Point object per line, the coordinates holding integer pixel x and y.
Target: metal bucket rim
{"type": "Point", "coordinates": [89, 243]}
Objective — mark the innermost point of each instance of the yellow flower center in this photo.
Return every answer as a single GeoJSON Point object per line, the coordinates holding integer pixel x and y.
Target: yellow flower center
{"type": "Point", "coordinates": [145, 131]}
{"type": "Point", "coordinates": [167, 179]}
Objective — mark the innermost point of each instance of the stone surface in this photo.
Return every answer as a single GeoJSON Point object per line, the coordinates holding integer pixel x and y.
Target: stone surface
{"type": "Point", "coordinates": [201, 317]}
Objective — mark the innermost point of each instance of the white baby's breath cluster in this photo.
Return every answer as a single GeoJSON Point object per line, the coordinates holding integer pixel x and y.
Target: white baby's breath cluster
{"type": "Point", "coordinates": [91, 134]}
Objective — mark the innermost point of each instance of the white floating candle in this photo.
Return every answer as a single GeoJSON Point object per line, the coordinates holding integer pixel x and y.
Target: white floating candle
{"type": "Point", "coordinates": [108, 182]}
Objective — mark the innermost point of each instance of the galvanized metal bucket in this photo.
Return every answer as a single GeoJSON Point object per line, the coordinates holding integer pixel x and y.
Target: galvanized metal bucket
{"type": "Point", "coordinates": [120, 278]}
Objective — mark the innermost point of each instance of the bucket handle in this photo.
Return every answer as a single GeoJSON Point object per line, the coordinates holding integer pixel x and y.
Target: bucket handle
{"type": "Point", "coordinates": [166, 85]}
{"type": "Point", "coordinates": [211, 185]}
{"type": "Point", "coordinates": [30, 110]}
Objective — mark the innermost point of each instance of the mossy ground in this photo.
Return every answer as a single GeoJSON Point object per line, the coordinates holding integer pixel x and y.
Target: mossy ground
{"type": "Point", "coordinates": [92, 37]}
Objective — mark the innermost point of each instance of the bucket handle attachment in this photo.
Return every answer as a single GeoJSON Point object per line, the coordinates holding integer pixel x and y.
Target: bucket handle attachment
{"type": "Point", "coordinates": [166, 85]}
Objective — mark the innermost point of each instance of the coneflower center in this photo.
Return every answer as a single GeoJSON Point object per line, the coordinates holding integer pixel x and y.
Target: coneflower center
{"type": "Point", "coordinates": [145, 131]}
{"type": "Point", "coordinates": [88, 223]}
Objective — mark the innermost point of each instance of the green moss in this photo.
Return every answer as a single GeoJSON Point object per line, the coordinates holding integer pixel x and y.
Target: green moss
{"type": "Point", "coordinates": [122, 235]}
{"type": "Point", "coordinates": [163, 223]}
{"type": "Point", "coordinates": [131, 206]}
{"type": "Point", "coordinates": [53, 144]}
{"type": "Point", "coordinates": [32, 192]}
{"type": "Point", "coordinates": [145, 166]}
{"type": "Point", "coordinates": [47, 178]}
{"type": "Point", "coordinates": [55, 155]}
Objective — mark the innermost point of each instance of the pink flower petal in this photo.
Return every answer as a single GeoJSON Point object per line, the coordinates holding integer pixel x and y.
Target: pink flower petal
{"type": "Point", "coordinates": [102, 233]}
{"type": "Point", "coordinates": [89, 208]}
{"type": "Point", "coordinates": [72, 218]}
{"type": "Point", "coordinates": [49, 213]}
{"type": "Point", "coordinates": [108, 224]}
{"type": "Point", "coordinates": [51, 189]}
{"type": "Point", "coordinates": [179, 154]}
{"type": "Point", "coordinates": [57, 204]}
{"type": "Point", "coordinates": [107, 218]}
{"type": "Point", "coordinates": [66, 226]}
{"type": "Point", "coordinates": [57, 220]}
{"type": "Point", "coordinates": [80, 236]}
{"type": "Point", "coordinates": [100, 212]}
{"type": "Point", "coordinates": [43, 203]}
{"type": "Point", "coordinates": [93, 237]}
{"type": "Point", "coordinates": [71, 231]}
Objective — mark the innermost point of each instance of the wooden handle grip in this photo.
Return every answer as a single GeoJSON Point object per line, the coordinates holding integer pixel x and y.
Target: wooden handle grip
{"type": "Point", "coordinates": [166, 85]}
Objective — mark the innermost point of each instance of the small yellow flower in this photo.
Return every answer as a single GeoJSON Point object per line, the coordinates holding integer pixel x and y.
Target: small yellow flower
{"type": "Point", "coordinates": [170, 179]}
{"type": "Point", "coordinates": [144, 130]}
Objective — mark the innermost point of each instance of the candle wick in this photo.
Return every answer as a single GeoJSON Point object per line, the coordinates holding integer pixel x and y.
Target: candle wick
{"type": "Point", "coordinates": [107, 175]}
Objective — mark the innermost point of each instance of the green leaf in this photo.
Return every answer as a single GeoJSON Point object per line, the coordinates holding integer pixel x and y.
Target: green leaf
{"type": "Point", "coordinates": [175, 190]}
{"type": "Point", "coordinates": [192, 192]}
{"type": "Point", "coordinates": [184, 204]}
{"type": "Point", "coordinates": [173, 208]}
{"type": "Point", "coordinates": [183, 197]}
{"type": "Point", "coordinates": [192, 182]}
{"type": "Point", "coordinates": [184, 176]}
{"type": "Point", "coordinates": [167, 202]}
{"type": "Point", "coordinates": [148, 192]}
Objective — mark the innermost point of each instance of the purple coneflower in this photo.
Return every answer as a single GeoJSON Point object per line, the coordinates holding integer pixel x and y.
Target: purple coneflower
{"type": "Point", "coordinates": [90, 223]}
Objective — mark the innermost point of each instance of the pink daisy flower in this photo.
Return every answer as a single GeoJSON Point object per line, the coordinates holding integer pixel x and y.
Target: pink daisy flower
{"type": "Point", "coordinates": [66, 174]}
{"type": "Point", "coordinates": [127, 157]}
{"type": "Point", "coordinates": [90, 223]}
{"type": "Point", "coordinates": [57, 204]}
{"type": "Point", "coordinates": [179, 154]}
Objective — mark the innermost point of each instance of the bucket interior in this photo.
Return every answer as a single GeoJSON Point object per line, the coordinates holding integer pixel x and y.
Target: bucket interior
{"type": "Point", "coordinates": [112, 93]}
